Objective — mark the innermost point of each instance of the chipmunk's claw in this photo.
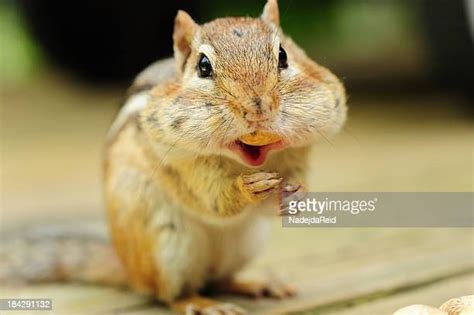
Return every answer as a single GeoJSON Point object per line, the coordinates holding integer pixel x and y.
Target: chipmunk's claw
{"type": "Point", "coordinates": [271, 289]}
{"type": "Point", "coordinates": [289, 189]}
{"type": "Point", "coordinates": [259, 186]}
{"type": "Point", "coordinates": [289, 192]}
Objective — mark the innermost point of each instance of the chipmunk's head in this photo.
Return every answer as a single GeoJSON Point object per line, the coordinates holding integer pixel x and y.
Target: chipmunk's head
{"type": "Point", "coordinates": [242, 76]}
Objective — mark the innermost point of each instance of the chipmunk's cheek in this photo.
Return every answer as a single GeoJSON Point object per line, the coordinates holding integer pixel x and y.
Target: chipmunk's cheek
{"type": "Point", "coordinates": [306, 114]}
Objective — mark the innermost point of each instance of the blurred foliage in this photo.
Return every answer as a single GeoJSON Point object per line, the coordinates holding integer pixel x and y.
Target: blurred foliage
{"type": "Point", "coordinates": [374, 28]}
{"type": "Point", "coordinates": [334, 32]}
{"type": "Point", "coordinates": [340, 31]}
{"type": "Point", "coordinates": [19, 56]}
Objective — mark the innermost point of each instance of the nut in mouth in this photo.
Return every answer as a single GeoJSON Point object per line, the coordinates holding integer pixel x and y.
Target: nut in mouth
{"type": "Point", "coordinates": [260, 138]}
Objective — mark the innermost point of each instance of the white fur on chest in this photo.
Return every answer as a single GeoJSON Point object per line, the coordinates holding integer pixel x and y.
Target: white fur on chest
{"type": "Point", "coordinates": [195, 252]}
{"type": "Point", "coordinates": [235, 245]}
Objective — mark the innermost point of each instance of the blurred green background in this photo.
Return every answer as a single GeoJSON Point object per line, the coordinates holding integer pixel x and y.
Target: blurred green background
{"type": "Point", "coordinates": [370, 31]}
{"type": "Point", "coordinates": [385, 42]}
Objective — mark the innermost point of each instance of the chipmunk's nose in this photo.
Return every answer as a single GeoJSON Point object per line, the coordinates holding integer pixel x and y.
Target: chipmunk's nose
{"type": "Point", "coordinates": [253, 117]}
{"type": "Point", "coordinates": [258, 110]}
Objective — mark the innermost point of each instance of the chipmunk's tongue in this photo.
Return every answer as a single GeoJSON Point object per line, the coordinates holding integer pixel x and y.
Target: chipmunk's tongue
{"type": "Point", "coordinates": [252, 154]}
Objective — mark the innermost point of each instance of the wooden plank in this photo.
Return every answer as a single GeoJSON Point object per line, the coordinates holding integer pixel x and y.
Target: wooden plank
{"type": "Point", "coordinates": [326, 265]}
{"type": "Point", "coordinates": [78, 299]}
{"type": "Point", "coordinates": [434, 295]}
{"type": "Point", "coordinates": [366, 261]}
{"type": "Point", "coordinates": [334, 265]}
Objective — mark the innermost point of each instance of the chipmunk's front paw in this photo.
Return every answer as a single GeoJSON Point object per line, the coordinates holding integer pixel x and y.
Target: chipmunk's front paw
{"type": "Point", "coordinates": [258, 186]}
{"type": "Point", "coordinates": [290, 192]}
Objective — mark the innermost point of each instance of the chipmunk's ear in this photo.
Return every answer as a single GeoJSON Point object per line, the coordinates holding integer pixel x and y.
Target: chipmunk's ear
{"type": "Point", "coordinates": [184, 30]}
{"type": "Point", "coordinates": [271, 12]}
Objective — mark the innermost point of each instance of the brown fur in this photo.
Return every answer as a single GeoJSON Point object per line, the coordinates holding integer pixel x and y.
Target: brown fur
{"type": "Point", "coordinates": [170, 175]}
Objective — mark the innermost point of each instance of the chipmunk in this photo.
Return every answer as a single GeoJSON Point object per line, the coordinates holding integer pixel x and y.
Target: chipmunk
{"type": "Point", "coordinates": [188, 200]}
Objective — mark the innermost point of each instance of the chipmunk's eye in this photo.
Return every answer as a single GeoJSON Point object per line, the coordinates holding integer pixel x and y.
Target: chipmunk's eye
{"type": "Point", "coordinates": [204, 67]}
{"type": "Point", "coordinates": [282, 59]}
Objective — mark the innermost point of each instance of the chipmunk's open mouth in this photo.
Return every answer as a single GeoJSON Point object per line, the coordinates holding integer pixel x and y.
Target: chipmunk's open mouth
{"type": "Point", "coordinates": [254, 155]}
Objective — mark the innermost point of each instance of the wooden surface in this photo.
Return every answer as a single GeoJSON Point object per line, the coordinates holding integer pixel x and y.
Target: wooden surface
{"type": "Point", "coordinates": [51, 151]}
{"type": "Point", "coordinates": [335, 270]}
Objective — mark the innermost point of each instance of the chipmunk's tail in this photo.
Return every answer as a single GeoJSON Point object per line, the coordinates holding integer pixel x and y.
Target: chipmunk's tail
{"type": "Point", "coordinates": [80, 253]}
